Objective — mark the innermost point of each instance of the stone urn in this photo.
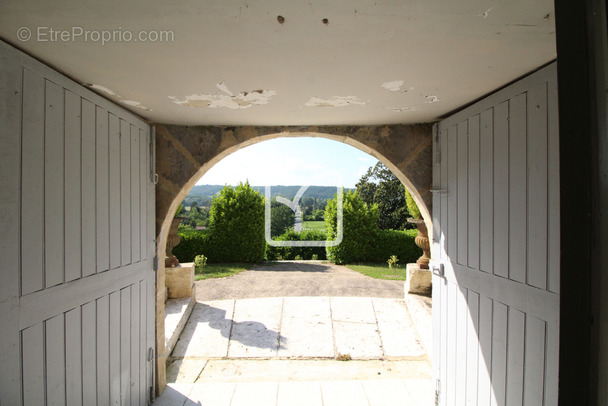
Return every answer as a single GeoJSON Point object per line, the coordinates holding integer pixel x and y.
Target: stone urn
{"type": "Point", "coordinates": [422, 241]}
{"type": "Point", "coordinates": [173, 239]}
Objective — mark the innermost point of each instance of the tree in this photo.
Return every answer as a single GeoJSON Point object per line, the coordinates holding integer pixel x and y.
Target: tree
{"type": "Point", "coordinates": [381, 187]}
{"type": "Point", "coordinates": [236, 225]}
{"type": "Point", "coordinates": [360, 229]}
{"type": "Point", "coordinates": [282, 218]}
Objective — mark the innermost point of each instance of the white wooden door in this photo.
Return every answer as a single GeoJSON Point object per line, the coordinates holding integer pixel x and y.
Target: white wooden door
{"type": "Point", "coordinates": [496, 236]}
{"type": "Point", "coordinates": [76, 243]}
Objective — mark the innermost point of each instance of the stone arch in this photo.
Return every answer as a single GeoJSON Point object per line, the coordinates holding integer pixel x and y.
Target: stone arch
{"type": "Point", "coordinates": [184, 154]}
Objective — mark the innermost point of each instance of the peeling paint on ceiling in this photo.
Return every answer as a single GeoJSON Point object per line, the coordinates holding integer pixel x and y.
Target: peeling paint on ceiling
{"type": "Point", "coordinates": [242, 100]}
{"type": "Point", "coordinates": [400, 109]}
{"type": "Point", "coordinates": [334, 101]}
{"type": "Point", "coordinates": [117, 97]}
{"type": "Point", "coordinates": [395, 86]}
{"type": "Point", "coordinates": [431, 99]}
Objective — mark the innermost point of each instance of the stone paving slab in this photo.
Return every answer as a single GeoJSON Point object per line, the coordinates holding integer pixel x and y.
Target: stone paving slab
{"type": "Point", "coordinates": [359, 340]}
{"type": "Point", "coordinates": [207, 332]}
{"type": "Point", "coordinates": [300, 327]}
{"type": "Point", "coordinates": [306, 328]}
{"type": "Point", "coordinates": [255, 328]}
{"type": "Point", "coordinates": [249, 370]}
{"type": "Point", "coordinates": [398, 333]}
{"type": "Point", "coordinates": [386, 392]}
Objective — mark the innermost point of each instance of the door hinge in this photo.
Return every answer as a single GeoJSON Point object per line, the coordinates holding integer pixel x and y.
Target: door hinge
{"type": "Point", "coordinates": [155, 266]}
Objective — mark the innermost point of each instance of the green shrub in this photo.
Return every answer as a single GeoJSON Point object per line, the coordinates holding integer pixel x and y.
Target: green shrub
{"type": "Point", "coordinates": [236, 229]}
{"type": "Point", "coordinates": [393, 262]}
{"type": "Point", "coordinates": [360, 229]}
{"type": "Point", "coordinates": [199, 263]}
{"type": "Point", "coordinates": [193, 242]}
{"type": "Point", "coordinates": [412, 207]}
{"type": "Point", "coordinates": [236, 224]}
{"type": "Point", "coordinates": [362, 240]}
{"type": "Point", "coordinates": [398, 243]}
{"type": "Point", "coordinates": [290, 253]}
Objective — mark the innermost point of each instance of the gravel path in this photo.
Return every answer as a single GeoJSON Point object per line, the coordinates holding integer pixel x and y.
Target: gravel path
{"type": "Point", "coordinates": [286, 279]}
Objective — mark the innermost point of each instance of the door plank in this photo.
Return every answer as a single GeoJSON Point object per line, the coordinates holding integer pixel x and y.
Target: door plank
{"type": "Point", "coordinates": [462, 319]}
{"type": "Point", "coordinates": [452, 219]}
{"type": "Point", "coordinates": [73, 216]}
{"type": "Point", "coordinates": [53, 185]}
{"type": "Point", "coordinates": [125, 192]}
{"type": "Point", "coordinates": [32, 183]}
{"type": "Point", "coordinates": [486, 191]}
{"type": "Point", "coordinates": [517, 188]}
{"type": "Point", "coordinates": [89, 355]}
{"type": "Point", "coordinates": [125, 346]}
{"type": "Point", "coordinates": [115, 348]}
{"type": "Point", "coordinates": [515, 357]}
{"type": "Point", "coordinates": [501, 190]}
{"type": "Point", "coordinates": [472, 350]}
{"type": "Point", "coordinates": [473, 198]}
{"type": "Point", "coordinates": [450, 337]}
{"type": "Point", "coordinates": [553, 282]}
{"type": "Point", "coordinates": [88, 189]}
{"type": "Point", "coordinates": [135, 342]}
{"type": "Point", "coordinates": [73, 357]}
{"type": "Point", "coordinates": [143, 190]}
{"type": "Point", "coordinates": [33, 365]}
{"type": "Point", "coordinates": [135, 194]}
{"type": "Point", "coordinates": [534, 370]}
{"type": "Point", "coordinates": [462, 191]}
{"type": "Point", "coordinates": [484, 386]}
{"type": "Point", "coordinates": [102, 193]}
{"type": "Point", "coordinates": [114, 191]}
{"type": "Point", "coordinates": [444, 196]}
{"type": "Point", "coordinates": [55, 360]}
{"type": "Point", "coordinates": [103, 350]}
{"type": "Point", "coordinates": [499, 354]}
{"type": "Point", "coordinates": [538, 228]}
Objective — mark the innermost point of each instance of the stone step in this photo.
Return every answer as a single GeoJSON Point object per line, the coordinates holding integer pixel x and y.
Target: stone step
{"type": "Point", "coordinates": [177, 313]}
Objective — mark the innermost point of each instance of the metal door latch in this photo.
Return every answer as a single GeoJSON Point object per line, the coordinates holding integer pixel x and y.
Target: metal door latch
{"type": "Point", "coordinates": [438, 269]}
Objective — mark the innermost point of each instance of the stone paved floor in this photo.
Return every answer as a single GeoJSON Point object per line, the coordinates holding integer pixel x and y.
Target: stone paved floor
{"type": "Point", "coordinates": [282, 351]}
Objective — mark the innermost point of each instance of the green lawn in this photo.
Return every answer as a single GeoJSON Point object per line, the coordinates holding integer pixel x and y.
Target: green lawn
{"type": "Point", "coordinates": [380, 271]}
{"type": "Point", "coordinates": [313, 225]}
{"type": "Point", "coordinates": [221, 270]}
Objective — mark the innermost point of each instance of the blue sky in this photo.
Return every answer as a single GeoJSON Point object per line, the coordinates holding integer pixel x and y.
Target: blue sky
{"type": "Point", "coordinates": [292, 161]}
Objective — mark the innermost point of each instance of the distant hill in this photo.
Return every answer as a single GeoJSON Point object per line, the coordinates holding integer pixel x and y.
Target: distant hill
{"type": "Point", "coordinates": [317, 192]}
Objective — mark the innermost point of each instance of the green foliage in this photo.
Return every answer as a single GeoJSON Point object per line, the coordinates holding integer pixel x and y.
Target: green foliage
{"type": "Point", "coordinates": [398, 243]}
{"type": "Point", "coordinates": [199, 263]}
{"type": "Point", "coordinates": [360, 229]}
{"type": "Point", "coordinates": [236, 229]}
{"type": "Point", "coordinates": [298, 258]}
{"type": "Point", "coordinates": [315, 257]}
{"type": "Point", "coordinates": [379, 271]}
{"type": "Point", "coordinates": [290, 253]}
{"type": "Point", "coordinates": [179, 210]}
{"type": "Point", "coordinates": [362, 240]}
{"type": "Point", "coordinates": [282, 218]}
{"type": "Point", "coordinates": [393, 262]}
{"type": "Point", "coordinates": [412, 207]}
{"type": "Point", "coordinates": [236, 224]}
{"type": "Point", "coordinates": [381, 187]}
{"type": "Point", "coordinates": [193, 243]}
{"type": "Point", "coordinates": [220, 270]}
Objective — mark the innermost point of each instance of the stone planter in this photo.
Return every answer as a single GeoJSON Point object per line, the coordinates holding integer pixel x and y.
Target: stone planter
{"type": "Point", "coordinates": [422, 241]}
{"type": "Point", "coordinates": [173, 239]}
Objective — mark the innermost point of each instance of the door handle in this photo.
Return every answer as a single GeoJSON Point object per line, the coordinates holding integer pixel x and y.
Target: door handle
{"type": "Point", "coordinates": [438, 269]}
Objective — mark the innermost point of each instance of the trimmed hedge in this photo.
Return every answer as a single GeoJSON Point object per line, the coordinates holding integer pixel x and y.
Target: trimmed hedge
{"type": "Point", "coordinates": [193, 243]}
{"type": "Point", "coordinates": [399, 243]}
{"type": "Point", "coordinates": [362, 240]}
{"type": "Point", "coordinates": [287, 253]}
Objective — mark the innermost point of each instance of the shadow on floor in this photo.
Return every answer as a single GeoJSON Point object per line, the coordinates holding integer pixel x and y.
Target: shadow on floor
{"type": "Point", "coordinates": [249, 333]}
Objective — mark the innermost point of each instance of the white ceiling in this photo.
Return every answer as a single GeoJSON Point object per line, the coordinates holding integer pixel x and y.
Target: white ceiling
{"type": "Point", "coordinates": [241, 66]}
